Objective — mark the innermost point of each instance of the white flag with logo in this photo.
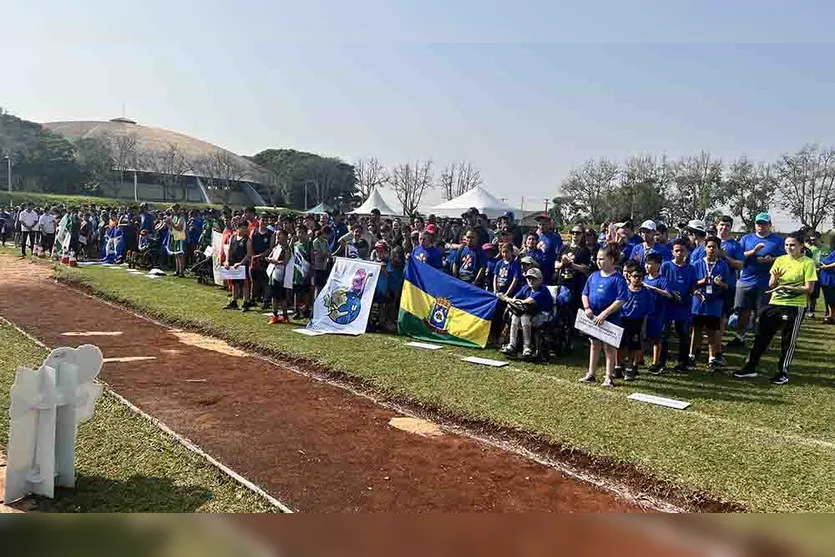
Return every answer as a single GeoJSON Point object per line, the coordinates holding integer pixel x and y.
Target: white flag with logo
{"type": "Point", "coordinates": [344, 304]}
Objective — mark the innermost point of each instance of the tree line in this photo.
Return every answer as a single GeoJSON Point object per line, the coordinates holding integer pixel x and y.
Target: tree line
{"type": "Point", "coordinates": [46, 161]}
{"type": "Point", "coordinates": [700, 187]}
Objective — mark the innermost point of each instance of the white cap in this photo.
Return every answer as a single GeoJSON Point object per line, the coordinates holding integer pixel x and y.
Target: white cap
{"type": "Point", "coordinates": [534, 272]}
{"type": "Point", "coordinates": [619, 225]}
{"type": "Point", "coordinates": [648, 225]}
{"type": "Point", "coordinates": [697, 225]}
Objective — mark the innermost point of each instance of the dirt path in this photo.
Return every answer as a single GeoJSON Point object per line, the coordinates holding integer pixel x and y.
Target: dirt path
{"type": "Point", "coordinates": [311, 445]}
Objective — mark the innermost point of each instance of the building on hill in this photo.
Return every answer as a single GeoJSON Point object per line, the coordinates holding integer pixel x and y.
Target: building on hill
{"type": "Point", "coordinates": [162, 165]}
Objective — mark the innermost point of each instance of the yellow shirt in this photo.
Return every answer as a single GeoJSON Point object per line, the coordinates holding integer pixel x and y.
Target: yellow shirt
{"type": "Point", "coordinates": [796, 272]}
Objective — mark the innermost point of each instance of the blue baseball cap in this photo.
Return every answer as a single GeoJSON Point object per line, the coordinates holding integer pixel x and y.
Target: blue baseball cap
{"type": "Point", "coordinates": [763, 217]}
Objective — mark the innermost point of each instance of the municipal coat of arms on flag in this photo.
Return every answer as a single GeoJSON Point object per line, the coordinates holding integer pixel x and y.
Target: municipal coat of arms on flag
{"type": "Point", "coordinates": [344, 304]}
{"type": "Point", "coordinates": [435, 306]}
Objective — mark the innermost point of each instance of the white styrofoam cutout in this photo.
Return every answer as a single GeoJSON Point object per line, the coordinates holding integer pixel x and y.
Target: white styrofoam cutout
{"type": "Point", "coordinates": [47, 405]}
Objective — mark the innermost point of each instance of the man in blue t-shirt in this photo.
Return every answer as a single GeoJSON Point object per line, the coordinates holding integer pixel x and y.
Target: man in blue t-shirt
{"type": "Point", "coordinates": [733, 256]}
{"type": "Point", "coordinates": [649, 245]}
{"type": "Point", "coordinates": [696, 232]}
{"type": "Point", "coordinates": [759, 251]}
{"type": "Point", "coordinates": [529, 308]}
{"type": "Point", "coordinates": [550, 244]}
{"type": "Point", "coordinates": [427, 252]}
{"type": "Point", "coordinates": [468, 264]}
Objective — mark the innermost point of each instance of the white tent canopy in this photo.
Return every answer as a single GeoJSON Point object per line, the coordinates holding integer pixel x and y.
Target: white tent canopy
{"type": "Point", "coordinates": [477, 197]}
{"type": "Point", "coordinates": [374, 201]}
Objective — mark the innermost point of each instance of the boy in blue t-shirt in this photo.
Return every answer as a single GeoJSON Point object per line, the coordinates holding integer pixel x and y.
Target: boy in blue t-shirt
{"type": "Point", "coordinates": [681, 281]}
{"type": "Point", "coordinates": [712, 279]}
{"type": "Point", "coordinates": [656, 283]}
{"type": "Point", "coordinates": [490, 260]}
{"type": "Point", "coordinates": [468, 264]}
{"type": "Point", "coordinates": [637, 307]}
{"type": "Point", "coordinates": [507, 274]}
{"type": "Point", "coordinates": [826, 278]}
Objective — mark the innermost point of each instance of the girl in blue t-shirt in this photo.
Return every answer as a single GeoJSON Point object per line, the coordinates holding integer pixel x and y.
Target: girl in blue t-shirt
{"type": "Point", "coordinates": [603, 296]}
{"type": "Point", "coordinates": [826, 278]}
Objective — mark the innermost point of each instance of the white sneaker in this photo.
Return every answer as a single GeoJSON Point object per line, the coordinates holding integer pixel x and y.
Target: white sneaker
{"type": "Point", "coordinates": [608, 382]}
{"type": "Point", "coordinates": [527, 352]}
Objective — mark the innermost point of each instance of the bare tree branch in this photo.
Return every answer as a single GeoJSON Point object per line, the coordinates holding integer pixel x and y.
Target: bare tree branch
{"type": "Point", "coordinates": [410, 181]}
{"type": "Point", "coordinates": [370, 174]}
{"type": "Point", "coordinates": [806, 182]}
{"type": "Point", "coordinates": [458, 178]}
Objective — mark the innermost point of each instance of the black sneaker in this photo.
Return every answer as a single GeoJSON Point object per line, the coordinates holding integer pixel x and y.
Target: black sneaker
{"type": "Point", "coordinates": [691, 363]}
{"type": "Point", "coordinates": [780, 379]}
{"type": "Point", "coordinates": [736, 342]}
{"type": "Point", "coordinates": [618, 372]}
{"type": "Point", "coordinates": [656, 369]}
{"type": "Point", "coordinates": [745, 373]}
{"type": "Point", "coordinates": [680, 367]}
{"type": "Point", "coordinates": [720, 361]}
{"type": "Point", "coordinates": [712, 366]}
{"type": "Point", "coordinates": [630, 373]}
{"type": "Point", "coordinates": [231, 305]}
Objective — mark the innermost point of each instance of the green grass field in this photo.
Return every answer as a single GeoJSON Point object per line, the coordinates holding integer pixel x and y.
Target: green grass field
{"type": "Point", "coordinates": [125, 463]}
{"type": "Point", "coordinates": [767, 448]}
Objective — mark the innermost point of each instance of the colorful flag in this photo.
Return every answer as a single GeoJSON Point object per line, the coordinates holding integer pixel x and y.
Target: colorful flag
{"type": "Point", "coordinates": [435, 306]}
{"type": "Point", "coordinates": [344, 304]}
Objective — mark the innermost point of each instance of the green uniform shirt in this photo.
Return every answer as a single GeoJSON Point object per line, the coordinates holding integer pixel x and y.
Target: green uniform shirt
{"type": "Point", "coordinates": [796, 272]}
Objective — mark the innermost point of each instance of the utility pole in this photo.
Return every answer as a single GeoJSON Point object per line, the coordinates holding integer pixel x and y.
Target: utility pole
{"type": "Point", "coordinates": [547, 201]}
{"type": "Point", "coordinates": [9, 171]}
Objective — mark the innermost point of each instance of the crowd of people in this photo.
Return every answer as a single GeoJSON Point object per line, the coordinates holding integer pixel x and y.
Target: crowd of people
{"type": "Point", "coordinates": [648, 283]}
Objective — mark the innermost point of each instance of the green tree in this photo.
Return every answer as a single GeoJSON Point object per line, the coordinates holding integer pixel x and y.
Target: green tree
{"type": "Point", "coordinates": [696, 188]}
{"type": "Point", "coordinates": [751, 189]}
{"type": "Point", "coordinates": [302, 180]}
{"type": "Point", "coordinates": [590, 190]}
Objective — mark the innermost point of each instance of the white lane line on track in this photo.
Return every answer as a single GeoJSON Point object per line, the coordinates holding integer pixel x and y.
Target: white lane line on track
{"type": "Point", "coordinates": [186, 442]}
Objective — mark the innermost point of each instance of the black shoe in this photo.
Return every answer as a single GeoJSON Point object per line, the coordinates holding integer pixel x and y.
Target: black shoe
{"type": "Point", "coordinates": [712, 367]}
{"type": "Point", "coordinates": [656, 369]}
{"type": "Point", "coordinates": [691, 363]}
{"type": "Point", "coordinates": [745, 373]}
{"type": "Point", "coordinates": [630, 373]}
{"type": "Point", "coordinates": [680, 367]}
{"type": "Point", "coordinates": [618, 372]}
{"type": "Point", "coordinates": [231, 305]}
{"type": "Point", "coordinates": [266, 306]}
{"type": "Point", "coordinates": [720, 361]}
{"type": "Point", "coordinates": [736, 342]}
{"type": "Point", "coordinates": [780, 379]}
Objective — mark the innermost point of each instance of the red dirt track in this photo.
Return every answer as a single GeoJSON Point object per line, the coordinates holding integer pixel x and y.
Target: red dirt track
{"type": "Point", "coordinates": [312, 445]}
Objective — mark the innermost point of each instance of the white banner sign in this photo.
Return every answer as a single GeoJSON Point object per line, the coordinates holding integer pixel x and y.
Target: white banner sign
{"type": "Point", "coordinates": [607, 332]}
{"type": "Point", "coordinates": [233, 273]}
{"type": "Point", "coordinates": [217, 250]}
{"type": "Point", "coordinates": [344, 304]}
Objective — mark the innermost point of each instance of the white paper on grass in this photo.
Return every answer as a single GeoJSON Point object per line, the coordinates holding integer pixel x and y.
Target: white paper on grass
{"type": "Point", "coordinates": [424, 345]}
{"type": "Point", "coordinates": [47, 405]}
{"type": "Point", "coordinates": [485, 361]}
{"type": "Point", "coordinates": [308, 332]}
{"type": "Point", "coordinates": [607, 332]}
{"type": "Point", "coordinates": [659, 400]}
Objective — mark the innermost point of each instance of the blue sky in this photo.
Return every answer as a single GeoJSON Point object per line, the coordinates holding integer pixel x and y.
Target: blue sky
{"type": "Point", "coordinates": [524, 90]}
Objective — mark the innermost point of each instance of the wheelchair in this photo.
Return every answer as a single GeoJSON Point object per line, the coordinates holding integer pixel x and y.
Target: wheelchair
{"type": "Point", "coordinates": [550, 338]}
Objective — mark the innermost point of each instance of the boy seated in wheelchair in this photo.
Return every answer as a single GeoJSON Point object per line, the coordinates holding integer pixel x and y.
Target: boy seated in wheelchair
{"type": "Point", "coordinates": [530, 308]}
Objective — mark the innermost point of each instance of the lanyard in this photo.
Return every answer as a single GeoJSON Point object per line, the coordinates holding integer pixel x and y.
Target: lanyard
{"type": "Point", "coordinates": [710, 268]}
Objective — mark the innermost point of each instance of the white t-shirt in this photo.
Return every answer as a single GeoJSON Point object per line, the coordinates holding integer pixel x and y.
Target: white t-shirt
{"type": "Point", "coordinates": [47, 223]}
{"type": "Point", "coordinates": [28, 220]}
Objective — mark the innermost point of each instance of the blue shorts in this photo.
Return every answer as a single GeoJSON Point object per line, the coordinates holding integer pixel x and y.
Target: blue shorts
{"type": "Point", "coordinates": [655, 327]}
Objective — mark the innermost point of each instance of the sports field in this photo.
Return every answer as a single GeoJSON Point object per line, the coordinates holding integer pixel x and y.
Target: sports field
{"type": "Point", "coordinates": [749, 443]}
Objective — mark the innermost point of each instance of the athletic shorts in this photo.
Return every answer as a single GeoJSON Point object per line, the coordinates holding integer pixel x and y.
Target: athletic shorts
{"type": "Point", "coordinates": [729, 302]}
{"type": "Point", "coordinates": [278, 292]}
{"type": "Point", "coordinates": [748, 297]}
{"type": "Point", "coordinates": [655, 328]}
{"type": "Point", "coordinates": [301, 289]}
{"type": "Point", "coordinates": [829, 295]}
{"type": "Point", "coordinates": [320, 277]}
{"type": "Point", "coordinates": [707, 322]}
{"type": "Point", "coordinates": [632, 332]}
